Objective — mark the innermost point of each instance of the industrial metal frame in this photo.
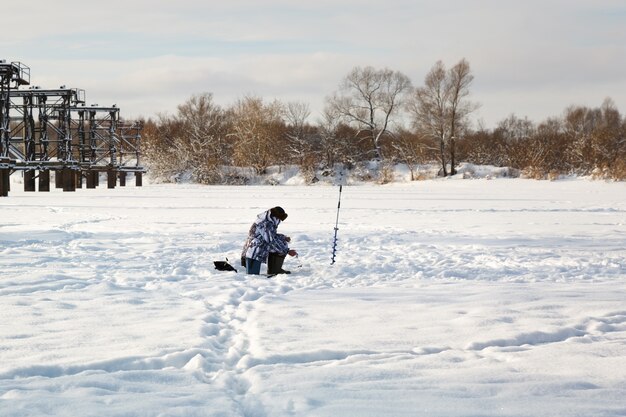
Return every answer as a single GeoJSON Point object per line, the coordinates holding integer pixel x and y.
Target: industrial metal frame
{"type": "Point", "coordinates": [53, 130]}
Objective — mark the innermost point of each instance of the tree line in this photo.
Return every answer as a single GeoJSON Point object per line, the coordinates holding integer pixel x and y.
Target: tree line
{"type": "Point", "coordinates": [377, 114]}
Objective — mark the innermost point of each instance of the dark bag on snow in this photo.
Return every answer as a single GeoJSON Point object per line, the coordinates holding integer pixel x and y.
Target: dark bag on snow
{"type": "Point", "coordinates": [223, 266]}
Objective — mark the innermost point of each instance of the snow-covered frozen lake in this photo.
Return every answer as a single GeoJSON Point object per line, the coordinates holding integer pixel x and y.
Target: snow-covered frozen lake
{"type": "Point", "coordinates": [449, 298]}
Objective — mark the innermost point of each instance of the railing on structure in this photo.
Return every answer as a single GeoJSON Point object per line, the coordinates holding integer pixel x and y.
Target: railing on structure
{"type": "Point", "coordinates": [12, 75]}
{"type": "Point", "coordinates": [98, 139]}
{"type": "Point", "coordinates": [130, 144]}
{"type": "Point", "coordinates": [41, 132]}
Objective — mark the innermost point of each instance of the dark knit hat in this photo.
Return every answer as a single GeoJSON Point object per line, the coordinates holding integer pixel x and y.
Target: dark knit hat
{"type": "Point", "coordinates": [279, 213]}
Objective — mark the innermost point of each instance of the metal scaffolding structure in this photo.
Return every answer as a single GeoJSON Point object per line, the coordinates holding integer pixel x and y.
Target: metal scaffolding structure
{"type": "Point", "coordinates": [12, 75]}
{"type": "Point", "coordinates": [52, 130]}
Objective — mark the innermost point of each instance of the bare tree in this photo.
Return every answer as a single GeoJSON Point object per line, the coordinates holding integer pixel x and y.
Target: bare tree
{"type": "Point", "coordinates": [411, 149]}
{"type": "Point", "coordinates": [430, 112]}
{"type": "Point", "coordinates": [459, 80]}
{"type": "Point", "coordinates": [296, 115]}
{"type": "Point", "coordinates": [608, 140]}
{"type": "Point", "coordinates": [550, 134]}
{"type": "Point", "coordinates": [259, 132]}
{"type": "Point", "coordinates": [440, 108]}
{"type": "Point", "coordinates": [159, 144]}
{"type": "Point", "coordinates": [579, 125]}
{"type": "Point", "coordinates": [517, 134]}
{"type": "Point", "coordinates": [328, 134]}
{"type": "Point", "coordinates": [204, 130]}
{"type": "Point", "coordinates": [369, 99]}
{"type": "Point", "coordinates": [298, 131]}
{"type": "Point", "coordinates": [192, 141]}
{"type": "Point", "coordinates": [596, 139]}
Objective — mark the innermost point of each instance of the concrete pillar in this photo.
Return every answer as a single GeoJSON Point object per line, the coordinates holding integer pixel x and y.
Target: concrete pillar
{"type": "Point", "coordinates": [29, 180]}
{"type": "Point", "coordinates": [58, 178]}
{"type": "Point", "coordinates": [69, 179]}
{"type": "Point", "coordinates": [4, 178]}
{"type": "Point", "coordinates": [111, 178]}
{"type": "Point", "coordinates": [91, 179]}
{"type": "Point", "coordinates": [79, 179]}
{"type": "Point", "coordinates": [44, 180]}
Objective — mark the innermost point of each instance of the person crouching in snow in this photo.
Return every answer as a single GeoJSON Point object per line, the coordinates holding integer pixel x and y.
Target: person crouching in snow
{"type": "Point", "coordinates": [264, 244]}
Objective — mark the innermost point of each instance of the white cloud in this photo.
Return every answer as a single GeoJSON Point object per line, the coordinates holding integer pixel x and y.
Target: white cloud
{"type": "Point", "coordinates": [528, 57]}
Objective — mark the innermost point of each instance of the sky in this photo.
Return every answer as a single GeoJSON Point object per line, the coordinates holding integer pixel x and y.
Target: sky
{"type": "Point", "coordinates": [531, 58]}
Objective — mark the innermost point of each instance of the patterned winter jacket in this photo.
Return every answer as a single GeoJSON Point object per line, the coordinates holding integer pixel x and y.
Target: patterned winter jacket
{"type": "Point", "coordinates": [263, 239]}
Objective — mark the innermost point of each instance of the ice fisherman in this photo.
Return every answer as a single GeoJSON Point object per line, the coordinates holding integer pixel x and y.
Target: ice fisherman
{"type": "Point", "coordinates": [265, 244]}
